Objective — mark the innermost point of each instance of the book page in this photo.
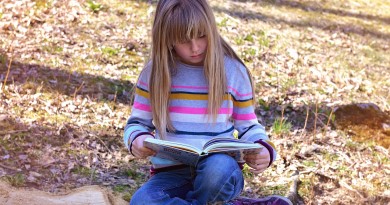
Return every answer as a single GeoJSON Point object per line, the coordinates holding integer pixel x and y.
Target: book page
{"type": "Point", "coordinates": [220, 144]}
{"type": "Point", "coordinates": [182, 146]}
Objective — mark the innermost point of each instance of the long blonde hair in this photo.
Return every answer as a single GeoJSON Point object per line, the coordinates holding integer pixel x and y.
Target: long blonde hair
{"type": "Point", "coordinates": [178, 21]}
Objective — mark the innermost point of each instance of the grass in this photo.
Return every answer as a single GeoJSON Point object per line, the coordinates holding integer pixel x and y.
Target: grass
{"type": "Point", "coordinates": [85, 171]}
{"type": "Point", "coordinates": [110, 51]}
{"type": "Point", "coordinates": [17, 180]}
{"type": "Point", "coordinates": [94, 6]}
{"type": "Point", "coordinates": [331, 52]}
{"type": "Point", "coordinates": [281, 126]}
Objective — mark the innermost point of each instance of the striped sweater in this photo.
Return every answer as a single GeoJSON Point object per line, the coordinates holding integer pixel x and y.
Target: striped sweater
{"type": "Point", "coordinates": [188, 110]}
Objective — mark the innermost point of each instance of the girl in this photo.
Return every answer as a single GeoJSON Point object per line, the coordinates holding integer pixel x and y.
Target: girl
{"type": "Point", "coordinates": [193, 89]}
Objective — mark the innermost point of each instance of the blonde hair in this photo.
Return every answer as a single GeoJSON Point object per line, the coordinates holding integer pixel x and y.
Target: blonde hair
{"type": "Point", "coordinates": [178, 21]}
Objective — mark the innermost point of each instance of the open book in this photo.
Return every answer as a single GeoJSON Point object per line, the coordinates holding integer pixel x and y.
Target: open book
{"type": "Point", "coordinates": [191, 155]}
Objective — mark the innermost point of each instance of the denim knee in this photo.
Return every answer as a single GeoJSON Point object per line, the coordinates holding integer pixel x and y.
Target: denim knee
{"type": "Point", "coordinates": [221, 176]}
{"type": "Point", "coordinates": [217, 165]}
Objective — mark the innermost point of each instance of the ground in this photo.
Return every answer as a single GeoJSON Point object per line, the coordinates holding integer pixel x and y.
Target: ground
{"type": "Point", "coordinates": [67, 69]}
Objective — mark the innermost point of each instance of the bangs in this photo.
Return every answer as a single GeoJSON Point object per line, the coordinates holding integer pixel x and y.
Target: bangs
{"type": "Point", "coordinates": [185, 24]}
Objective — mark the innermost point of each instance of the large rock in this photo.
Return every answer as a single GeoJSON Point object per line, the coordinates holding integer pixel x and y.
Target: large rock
{"type": "Point", "coordinates": [365, 121]}
{"type": "Point", "coordinates": [93, 195]}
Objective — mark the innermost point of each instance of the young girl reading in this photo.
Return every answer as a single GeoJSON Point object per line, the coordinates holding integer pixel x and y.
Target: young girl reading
{"type": "Point", "coordinates": [193, 89]}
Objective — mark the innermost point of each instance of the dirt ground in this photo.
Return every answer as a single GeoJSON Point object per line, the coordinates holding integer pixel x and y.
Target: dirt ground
{"type": "Point", "coordinates": [85, 195]}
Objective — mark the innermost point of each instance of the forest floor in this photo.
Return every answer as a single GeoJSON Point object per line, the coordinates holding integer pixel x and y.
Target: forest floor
{"type": "Point", "coordinates": [67, 68]}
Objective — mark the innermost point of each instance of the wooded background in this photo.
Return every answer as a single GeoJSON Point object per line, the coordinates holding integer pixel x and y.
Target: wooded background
{"type": "Point", "coordinates": [67, 69]}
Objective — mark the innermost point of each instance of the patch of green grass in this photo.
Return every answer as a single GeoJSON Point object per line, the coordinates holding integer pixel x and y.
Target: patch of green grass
{"type": "Point", "coordinates": [110, 51]}
{"type": "Point", "coordinates": [289, 84]}
{"type": "Point", "coordinates": [306, 187]}
{"type": "Point", "coordinates": [280, 189]}
{"type": "Point", "coordinates": [239, 41]}
{"type": "Point", "coordinates": [42, 4]}
{"type": "Point", "coordinates": [94, 6]}
{"type": "Point", "coordinates": [344, 171]}
{"type": "Point", "coordinates": [54, 49]}
{"type": "Point", "coordinates": [127, 197]}
{"type": "Point", "coordinates": [17, 180]}
{"type": "Point", "coordinates": [249, 38]}
{"type": "Point", "coordinates": [383, 159]}
{"type": "Point", "coordinates": [85, 171]}
{"type": "Point", "coordinates": [309, 163]}
{"type": "Point", "coordinates": [281, 126]}
{"type": "Point", "coordinates": [264, 105]}
{"type": "Point", "coordinates": [330, 157]}
{"type": "Point", "coordinates": [372, 54]}
{"type": "Point", "coordinates": [246, 172]}
{"type": "Point", "coordinates": [263, 39]}
{"type": "Point", "coordinates": [352, 145]}
{"type": "Point", "coordinates": [223, 22]}
{"type": "Point", "coordinates": [249, 54]}
{"type": "Point", "coordinates": [120, 188]}
{"type": "Point", "coordinates": [134, 174]}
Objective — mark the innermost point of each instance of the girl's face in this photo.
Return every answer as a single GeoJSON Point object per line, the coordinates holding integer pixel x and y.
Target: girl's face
{"type": "Point", "coordinates": [192, 52]}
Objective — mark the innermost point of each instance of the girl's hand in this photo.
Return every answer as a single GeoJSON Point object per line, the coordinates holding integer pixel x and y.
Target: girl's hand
{"type": "Point", "coordinates": [258, 162]}
{"type": "Point", "coordinates": [139, 150]}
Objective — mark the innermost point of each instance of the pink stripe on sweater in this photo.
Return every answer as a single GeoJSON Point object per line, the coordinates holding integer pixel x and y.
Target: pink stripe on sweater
{"type": "Point", "coordinates": [184, 110]}
{"type": "Point", "coordinates": [143, 83]}
{"type": "Point", "coordinates": [200, 88]}
{"type": "Point", "coordinates": [239, 94]}
{"type": "Point", "coordinates": [191, 87]}
{"type": "Point", "coordinates": [249, 116]}
{"type": "Point", "coordinates": [192, 110]}
{"type": "Point", "coordinates": [141, 106]}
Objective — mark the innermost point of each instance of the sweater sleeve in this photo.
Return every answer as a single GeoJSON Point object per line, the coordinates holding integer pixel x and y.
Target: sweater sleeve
{"type": "Point", "coordinates": [245, 119]}
{"type": "Point", "coordinates": [140, 120]}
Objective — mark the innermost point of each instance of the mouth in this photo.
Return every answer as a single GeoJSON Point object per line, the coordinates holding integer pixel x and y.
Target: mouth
{"type": "Point", "coordinates": [197, 56]}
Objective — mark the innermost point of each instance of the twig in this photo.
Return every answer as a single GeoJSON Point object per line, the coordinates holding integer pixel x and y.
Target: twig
{"type": "Point", "coordinates": [315, 117]}
{"type": "Point", "coordinates": [115, 96]}
{"type": "Point", "coordinates": [8, 167]}
{"type": "Point", "coordinates": [340, 182]}
{"type": "Point", "coordinates": [329, 118]}
{"type": "Point", "coordinates": [293, 194]}
{"type": "Point", "coordinates": [307, 118]}
{"type": "Point", "coordinates": [8, 70]}
{"type": "Point", "coordinates": [12, 132]}
{"type": "Point", "coordinates": [104, 144]}
{"type": "Point", "coordinates": [281, 119]}
{"type": "Point", "coordinates": [345, 185]}
{"type": "Point", "coordinates": [77, 90]}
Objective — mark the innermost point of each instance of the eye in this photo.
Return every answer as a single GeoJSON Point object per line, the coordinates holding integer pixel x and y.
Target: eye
{"type": "Point", "coordinates": [201, 35]}
{"type": "Point", "coordinates": [183, 41]}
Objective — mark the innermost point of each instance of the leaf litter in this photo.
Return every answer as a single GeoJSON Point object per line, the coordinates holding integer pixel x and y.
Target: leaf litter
{"type": "Point", "coordinates": [67, 96]}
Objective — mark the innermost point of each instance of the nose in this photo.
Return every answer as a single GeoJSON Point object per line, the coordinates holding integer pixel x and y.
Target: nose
{"type": "Point", "coordinates": [194, 45]}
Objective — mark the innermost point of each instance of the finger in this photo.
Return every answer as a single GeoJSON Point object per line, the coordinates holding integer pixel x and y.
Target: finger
{"type": "Point", "coordinates": [250, 156]}
{"type": "Point", "coordinates": [144, 152]}
{"type": "Point", "coordinates": [260, 155]}
{"type": "Point", "coordinates": [260, 161]}
{"type": "Point", "coordinates": [259, 166]}
{"type": "Point", "coordinates": [257, 161]}
{"type": "Point", "coordinates": [251, 165]}
{"type": "Point", "coordinates": [254, 171]}
{"type": "Point", "coordinates": [148, 152]}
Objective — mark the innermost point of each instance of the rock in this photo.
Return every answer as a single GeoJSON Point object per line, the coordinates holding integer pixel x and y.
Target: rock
{"type": "Point", "coordinates": [364, 120]}
{"type": "Point", "coordinates": [361, 114]}
{"type": "Point", "coordinates": [83, 195]}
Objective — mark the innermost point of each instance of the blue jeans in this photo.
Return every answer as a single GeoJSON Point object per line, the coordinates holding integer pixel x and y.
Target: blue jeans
{"type": "Point", "coordinates": [216, 178]}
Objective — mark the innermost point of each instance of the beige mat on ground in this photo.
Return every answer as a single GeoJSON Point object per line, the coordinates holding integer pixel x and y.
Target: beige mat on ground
{"type": "Point", "coordinates": [93, 195]}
